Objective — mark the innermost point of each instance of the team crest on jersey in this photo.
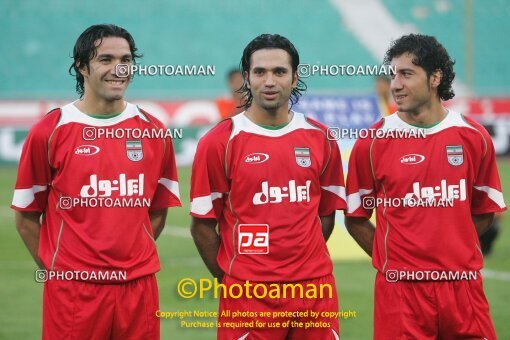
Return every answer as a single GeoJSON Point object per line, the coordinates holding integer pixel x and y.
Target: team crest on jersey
{"type": "Point", "coordinates": [455, 154]}
{"type": "Point", "coordinates": [134, 150]}
{"type": "Point", "coordinates": [303, 157]}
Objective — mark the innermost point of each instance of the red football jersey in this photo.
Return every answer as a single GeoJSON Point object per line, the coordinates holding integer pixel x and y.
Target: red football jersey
{"type": "Point", "coordinates": [453, 170]}
{"type": "Point", "coordinates": [96, 180]}
{"type": "Point", "coordinates": [267, 189]}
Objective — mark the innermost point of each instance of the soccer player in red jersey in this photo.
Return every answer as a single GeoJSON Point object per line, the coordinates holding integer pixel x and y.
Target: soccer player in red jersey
{"type": "Point", "coordinates": [103, 194]}
{"type": "Point", "coordinates": [433, 197]}
{"type": "Point", "coordinates": [272, 181]}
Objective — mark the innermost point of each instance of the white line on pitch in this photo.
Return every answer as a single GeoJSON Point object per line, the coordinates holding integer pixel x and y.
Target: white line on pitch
{"type": "Point", "coordinates": [173, 230]}
{"type": "Point", "coordinates": [496, 275]}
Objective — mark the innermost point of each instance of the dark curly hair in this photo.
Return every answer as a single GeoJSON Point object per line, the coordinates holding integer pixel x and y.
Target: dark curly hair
{"type": "Point", "coordinates": [430, 55]}
{"type": "Point", "coordinates": [270, 41]}
{"type": "Point", "coordinates": [85, 48]}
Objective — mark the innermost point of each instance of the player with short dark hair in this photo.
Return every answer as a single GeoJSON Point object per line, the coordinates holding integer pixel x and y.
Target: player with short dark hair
{"type": "Point", "coordinates": [428, 54]}
{"type": "Point", "coordinates": [446, 185]}
{"type": "Point", "coordinates": [272, 181]}
{"type": "Point", "coordinates": [89, 207]}
{"type": "Point", "coordinates": [85, 49]}
{"type": "Point", "coordinates": [270, 41]}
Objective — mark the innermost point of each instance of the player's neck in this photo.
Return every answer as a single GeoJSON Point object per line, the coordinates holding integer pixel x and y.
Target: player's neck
{"type": "Point", "coordinates": [100, 107]}
{"type": "Point", "coordinates": [261, 116]}
{"type": "Point", "coordinates": [426, 116]}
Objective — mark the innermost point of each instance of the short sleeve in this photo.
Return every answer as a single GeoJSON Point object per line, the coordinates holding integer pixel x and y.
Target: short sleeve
{"type": "Point", "coordinates": [167, 191]}
{"type": "Point", "coordinates": [209, 184]}
{"type": "Point", "coordinates": [360, 181]}
{"type": "Point", "coordinates": [332, 182]}
{"type": "Point", "coordinates": [34, 173]}
{"type": "Point", "coordinates": [487, 193]}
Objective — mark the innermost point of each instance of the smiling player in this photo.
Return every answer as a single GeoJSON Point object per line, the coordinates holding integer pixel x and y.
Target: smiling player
{"type": "Point", "coordinates": [103, 201]}
{"type": "Point", "coordinates": [428, 257]}
{"type": "Point", "coordinates": [271, 180]}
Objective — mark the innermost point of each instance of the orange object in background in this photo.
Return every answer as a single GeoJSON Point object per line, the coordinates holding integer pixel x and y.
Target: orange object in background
{"type": "Point", "coordinates": [384, 97]}
{"type": "Point", "coordinates": [228, 106]}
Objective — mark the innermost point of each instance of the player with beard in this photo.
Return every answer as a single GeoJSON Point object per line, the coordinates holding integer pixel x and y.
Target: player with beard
{"type": "Point", "coordinates": [427, 253]}
{"type": "Point", "coordinates": [89, 208]}
{"type": "Point", "coordinates": [272, 181]}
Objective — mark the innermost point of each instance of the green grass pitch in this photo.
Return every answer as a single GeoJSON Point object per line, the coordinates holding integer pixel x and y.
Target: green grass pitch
{"type": "Point", "coordinates": [21, 296]}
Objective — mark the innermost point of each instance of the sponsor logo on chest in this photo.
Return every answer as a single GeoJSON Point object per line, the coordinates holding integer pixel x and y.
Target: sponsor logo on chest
{"type": "Point", "coordinates": [412, 158]}
{"type": "Point", "coordinates": [291, 193]}
{"type": "Point", "coordinates": [105, 188]}
{"type": "Point", "coordinates": [86, 150]}
{"type": "Point", "coordinates": [256, 158]}
{"type": "Point", "coordinates": [443, 191]}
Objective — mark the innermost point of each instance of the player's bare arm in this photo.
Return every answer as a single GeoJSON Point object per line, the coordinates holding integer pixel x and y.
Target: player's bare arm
{"type": "Point", "coordinates": [158, 219]}
{"type": "Point", "coordinates": [482, 222]}
{"type": "Point", "coordinates": [362, 230]}
{"type": "Point", "coordinates": [328, 223]}
{"type": "Point", "coordinates": [28, 225]}
{"type": "Point", "coordinates": [207, 240]}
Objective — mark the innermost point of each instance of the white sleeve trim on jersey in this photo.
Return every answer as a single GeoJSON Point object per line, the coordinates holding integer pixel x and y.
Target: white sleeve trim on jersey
{"type": "Point", "coordinates": [354, 200]}
{"type": "Point", "coordinates": [336, 189]}
{"type": "Point", "coordinates": [494, 195]}
{"type": "Point", "coordinates": [203, 204]}
{"type": "Point", "coordinates": [24, 197]}
{"type": "Point", "coordinates": [172, 186]}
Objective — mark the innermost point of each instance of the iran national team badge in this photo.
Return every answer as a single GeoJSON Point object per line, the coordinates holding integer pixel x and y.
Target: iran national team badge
{"type": "Point", "coordinates": [303, 157]}
{"type": "Point", "coordinates": [455, 154]}
{"type": "Point", "coordinates": [134, 150]}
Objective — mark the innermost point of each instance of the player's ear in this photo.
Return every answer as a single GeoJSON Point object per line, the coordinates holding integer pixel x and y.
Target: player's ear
{"type": "Point", "coordinates": [246, 77]}
{"type": "Point", "coordinates": [435, 78]}
{"type": "Point", "coordinates": [295, 79]}
{"type": "Point", "coordinates": [83, 69]}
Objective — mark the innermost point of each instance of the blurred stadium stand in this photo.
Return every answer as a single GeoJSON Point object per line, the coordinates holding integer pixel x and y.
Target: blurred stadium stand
{"type": "Point", "coordinates": [38, 37]}
{"type": "Point", "coordinates": [476, 33]}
